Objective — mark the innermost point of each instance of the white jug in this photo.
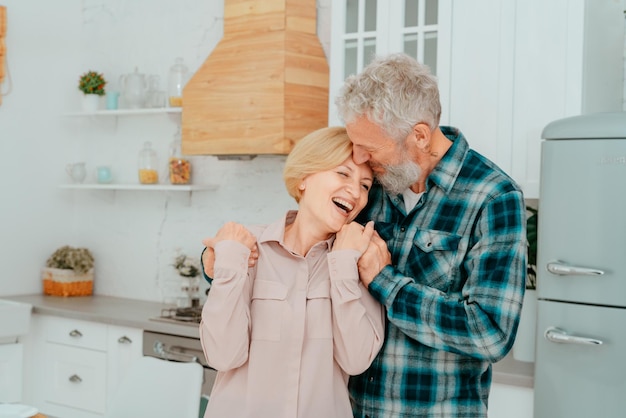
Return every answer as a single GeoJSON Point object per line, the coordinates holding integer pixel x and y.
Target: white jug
{"type": "Point", "coordinates": [77, 172]}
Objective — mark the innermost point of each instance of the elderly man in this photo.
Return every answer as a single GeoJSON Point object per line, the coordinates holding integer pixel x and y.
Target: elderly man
{"type": "Point", "coordinates": [452, 279]}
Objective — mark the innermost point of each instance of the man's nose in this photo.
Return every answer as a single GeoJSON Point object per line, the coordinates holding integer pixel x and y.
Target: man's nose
{"type": "Point", "coordinates": [359, 155]}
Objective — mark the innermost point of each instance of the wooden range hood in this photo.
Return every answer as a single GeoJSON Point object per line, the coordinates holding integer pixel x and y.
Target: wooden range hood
{"type": "Point", "coordinates": [264, 86]}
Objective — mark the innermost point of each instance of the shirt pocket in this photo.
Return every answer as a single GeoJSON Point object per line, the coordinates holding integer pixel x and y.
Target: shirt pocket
{"type": "Point", "coordinates": [437, 252]}
{"type": "Point", "coordinates": [318, 311]}
{"type": "Point", "coordinates": [266, 309]}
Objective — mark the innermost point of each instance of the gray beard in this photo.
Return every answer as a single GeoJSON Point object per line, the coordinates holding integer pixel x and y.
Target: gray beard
{"type": "Point", "coordinates": [397, 178]}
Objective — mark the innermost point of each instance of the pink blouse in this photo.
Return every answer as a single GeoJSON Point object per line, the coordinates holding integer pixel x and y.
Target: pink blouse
{"type": "Point", "coordinates": [285, 335]}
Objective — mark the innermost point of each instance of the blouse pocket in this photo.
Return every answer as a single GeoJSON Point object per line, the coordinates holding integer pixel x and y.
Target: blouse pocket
{"type": "Point", "coordinates": [318, 311]}
{"type": "Point", "coordinates": [266, 309]}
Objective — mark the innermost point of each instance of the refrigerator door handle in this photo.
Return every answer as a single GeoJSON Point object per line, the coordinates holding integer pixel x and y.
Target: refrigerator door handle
{"type": "Point", "coordinates": [556, 267]}
{"type": "Point", "coordinates": [557, 335]}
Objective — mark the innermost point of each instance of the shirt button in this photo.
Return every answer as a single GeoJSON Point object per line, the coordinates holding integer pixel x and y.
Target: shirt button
{"type": "Point", "coordinates": [371, 379]}
{"type": "Point", "coordinates": [430, 244]}
{"type": "Point", "coordinates": [402, 229]}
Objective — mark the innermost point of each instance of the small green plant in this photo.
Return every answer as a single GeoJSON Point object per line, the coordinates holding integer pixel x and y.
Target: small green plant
{"type": "Point", "coordinates": [92, 83]}
{"type": "Point", "coordinates": [69, 258]}
{"type": "Point", "coordinates": [531, 237]}
{"type": "Point", "coordinates": [186, 266]}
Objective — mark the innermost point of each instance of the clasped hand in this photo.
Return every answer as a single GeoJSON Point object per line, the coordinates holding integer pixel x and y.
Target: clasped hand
{"type": "Point", "coordinates": [373, 249]}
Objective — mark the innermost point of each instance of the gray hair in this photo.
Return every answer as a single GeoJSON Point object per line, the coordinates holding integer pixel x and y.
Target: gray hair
{"type": "Point", "coordinates": [394, 92]}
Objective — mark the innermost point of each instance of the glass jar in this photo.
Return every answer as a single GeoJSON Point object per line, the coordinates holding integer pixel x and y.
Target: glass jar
{"type": "Point", "coordinates": [148, 173]}
{"type": "Point", "coordinates": [177, 80]}
{"type": "Point", "coordinates": [180, 168]}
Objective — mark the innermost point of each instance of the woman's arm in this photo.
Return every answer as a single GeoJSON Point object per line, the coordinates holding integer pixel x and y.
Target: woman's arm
{"type": "Point", "coordinates": [225, 325]}
{"type": "Point", "coordinates": [358, 319]}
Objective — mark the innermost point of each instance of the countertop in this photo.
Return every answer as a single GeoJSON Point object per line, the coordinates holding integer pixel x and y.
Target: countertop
{"type": "Point", "coordinates": [108, 310]}
{"type": "Point", "coordinates": [137, 313]}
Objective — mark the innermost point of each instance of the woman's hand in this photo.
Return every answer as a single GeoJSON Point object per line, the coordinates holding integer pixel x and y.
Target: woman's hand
{"type": "Point", "coordinates": [373, 260]}
{"type": "Point", "coordinates": [230, 231]}
{"type": "Point", "coordinates": [354, 236]}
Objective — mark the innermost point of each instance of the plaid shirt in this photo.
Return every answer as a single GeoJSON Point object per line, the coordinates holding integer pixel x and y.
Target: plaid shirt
{"type": "Point", "coordinates": [454, 292]}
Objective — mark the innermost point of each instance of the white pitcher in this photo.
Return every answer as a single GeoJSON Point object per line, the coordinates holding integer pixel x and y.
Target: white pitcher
{"type": "Point", "coordinates": [77, 172]}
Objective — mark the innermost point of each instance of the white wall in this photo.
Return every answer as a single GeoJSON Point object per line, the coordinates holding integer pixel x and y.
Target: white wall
{"type": "Point", "coordinates": [133, 235]}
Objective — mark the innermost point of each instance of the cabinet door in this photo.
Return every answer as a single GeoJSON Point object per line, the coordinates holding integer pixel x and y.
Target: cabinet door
{"type": "Point", "coordinates": [76, 379]}
{"type": "Point", "coordinates": [124, 346]}
{"type": "Point", "coordinates": [362, 28]}
{"type": "Point", "coordinates": [11, 372]}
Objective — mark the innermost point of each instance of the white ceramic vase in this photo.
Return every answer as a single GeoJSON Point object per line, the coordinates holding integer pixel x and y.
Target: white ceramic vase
{"type": "Point", "coordinates": [524, 346]}
{"type": "Point", "coordinates": [91, 103]}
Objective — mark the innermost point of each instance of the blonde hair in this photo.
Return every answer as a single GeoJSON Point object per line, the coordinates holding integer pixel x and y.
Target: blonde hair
{"type": "Point", "coordinates": [318, 151]}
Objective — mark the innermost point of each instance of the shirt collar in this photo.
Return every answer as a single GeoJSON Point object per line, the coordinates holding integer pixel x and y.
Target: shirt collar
{"type": "Point", "coordinates": [447, 169]}
{"type": "Point", "coordinates": [276, 231]}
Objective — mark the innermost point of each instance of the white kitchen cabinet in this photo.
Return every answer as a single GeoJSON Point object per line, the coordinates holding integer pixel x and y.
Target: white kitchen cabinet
{"type": "Point", "coordinates": [568, 61]}
{"type": "Point", "coordinates": [124, 345]}
{"type": "Point", "coordinates": [11, 360]}
{"type": "Point", "coordinates": [507, 401]}
{"type": "Point", "coordinates": [361, 28]}
{"type": "Point", "coordinates": [75, 366]}
{"type": "Point", "coordinates": [505, 69]}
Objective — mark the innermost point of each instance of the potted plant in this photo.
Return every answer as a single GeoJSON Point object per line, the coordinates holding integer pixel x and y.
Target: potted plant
{"type": "Point", "coordinates": [188, 269]}
{"type": "Point", "coordinates": [524, 346]}
{"type": "Point", "coordinates": [68, 272]}
{"type": "Point", "coordinates": [92, 85]}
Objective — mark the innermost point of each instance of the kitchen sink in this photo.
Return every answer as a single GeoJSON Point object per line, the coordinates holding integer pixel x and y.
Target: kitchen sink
{"type": "Point", "coordinates": [14, 320]}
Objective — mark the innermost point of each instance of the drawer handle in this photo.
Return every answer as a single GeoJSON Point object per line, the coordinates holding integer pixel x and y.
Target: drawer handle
{"type": "Point", "coordinates": [75, 378]}
{"type": "Point", "coordinates": [124, 340]}
{"type": "Point", "coordinates": [557, 335]}
{"type": "Point", "coordinates": [75, 333]}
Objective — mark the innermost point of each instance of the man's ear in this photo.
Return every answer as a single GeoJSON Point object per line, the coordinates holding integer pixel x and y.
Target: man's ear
{"type": "Point", "coordinates": [421, 133]}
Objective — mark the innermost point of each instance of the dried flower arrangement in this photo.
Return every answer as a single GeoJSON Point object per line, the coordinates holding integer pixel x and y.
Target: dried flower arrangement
{"type": "Point", "coordinates": [68, 258]}
{"type": "Point", "coordinates": [92, 83]}
{"type": "Point", "coordinates": [186, 266]}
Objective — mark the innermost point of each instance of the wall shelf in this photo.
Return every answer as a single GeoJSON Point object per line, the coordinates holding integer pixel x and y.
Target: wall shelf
{"type": "Point", "coordinates": [128, 112]}
{"type": "Point", "coordinates": [144, 187]}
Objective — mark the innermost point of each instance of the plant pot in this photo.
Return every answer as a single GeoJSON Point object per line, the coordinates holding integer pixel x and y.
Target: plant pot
{"type": "Point", "coordinates": [524, 346]}
{"type": "Point", "coordinates": [60, 282]}
{"type": "Point", "coordinates": [91, 103]}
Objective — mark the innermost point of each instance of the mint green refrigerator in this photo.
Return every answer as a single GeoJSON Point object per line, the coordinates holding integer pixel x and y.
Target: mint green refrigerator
{"type": "Point", "coordinates": [580, 361]}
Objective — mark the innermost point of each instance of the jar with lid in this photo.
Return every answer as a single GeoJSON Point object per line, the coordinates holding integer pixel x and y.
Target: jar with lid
{"type": "Point", "coordinates": [148, 173]}
{"type": "Point", "coordinates": [180, 168]}
{"type": "Point", "coordinates": [178, 76]}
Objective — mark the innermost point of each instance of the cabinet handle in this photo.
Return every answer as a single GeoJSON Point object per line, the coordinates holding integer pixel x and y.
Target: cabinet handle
{"type": "Point", "coordinates": [561, 269]}
{"type": "Point", "coordinates": [557, 335]}
{"type": "Point", "coordinates": [75, 378]}
{"type": "Point", "coordinates": [75, 333]}
{"type": "Point", "coordinates": [124, 340]}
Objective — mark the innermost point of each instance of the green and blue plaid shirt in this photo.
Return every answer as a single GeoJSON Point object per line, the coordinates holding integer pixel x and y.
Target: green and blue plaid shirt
{"type": "Point", "coordinates": [454, 292]}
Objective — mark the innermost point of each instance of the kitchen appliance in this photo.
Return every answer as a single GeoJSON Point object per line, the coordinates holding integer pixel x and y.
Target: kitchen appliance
{"type": "Point", "coordinates": [182, 349]}
{"type": "Point", "coordinates": [581, 279]}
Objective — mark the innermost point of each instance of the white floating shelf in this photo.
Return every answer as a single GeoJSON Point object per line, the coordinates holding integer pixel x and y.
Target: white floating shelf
{"type": "Point", "coordinates": [128, 112]}
{"type": "Point", "coordinates": [145, 187]}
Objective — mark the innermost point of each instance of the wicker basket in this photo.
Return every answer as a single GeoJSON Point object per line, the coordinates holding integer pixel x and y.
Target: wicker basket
{"type": "Point", "coordinates": [59, 282]}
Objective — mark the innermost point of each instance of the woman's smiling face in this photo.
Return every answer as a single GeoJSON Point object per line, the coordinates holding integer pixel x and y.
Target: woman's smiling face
{"type": "Point", "coordinates": [335, 197]}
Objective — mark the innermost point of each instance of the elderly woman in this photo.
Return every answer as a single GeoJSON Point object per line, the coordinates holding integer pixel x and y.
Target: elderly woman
{"type": "Point", "coordinates": [286, 333]}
